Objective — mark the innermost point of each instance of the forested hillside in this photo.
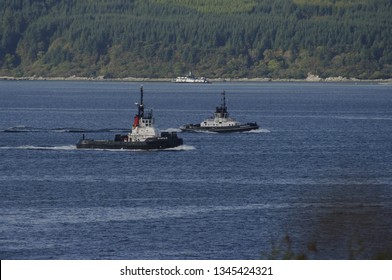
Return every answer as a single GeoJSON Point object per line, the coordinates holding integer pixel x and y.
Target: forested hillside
{"type": "Point", "coordinates": [213, 38]}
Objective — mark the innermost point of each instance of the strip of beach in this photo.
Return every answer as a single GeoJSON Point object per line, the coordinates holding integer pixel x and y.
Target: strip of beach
{"type": "Point", "coordinates": [310, 78]}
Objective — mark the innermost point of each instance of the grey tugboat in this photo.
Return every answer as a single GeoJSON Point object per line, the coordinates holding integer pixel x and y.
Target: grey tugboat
{"type": "Point", "coordinates": [143, 135]}
{"type": "Point", "coordinates": [220, 122]}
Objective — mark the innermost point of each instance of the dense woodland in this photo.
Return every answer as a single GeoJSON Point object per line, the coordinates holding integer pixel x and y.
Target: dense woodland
{"type": "Point", "coordinates": [213, 38]}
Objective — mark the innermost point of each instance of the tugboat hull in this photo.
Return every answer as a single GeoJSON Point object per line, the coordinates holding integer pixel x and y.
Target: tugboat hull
{"type": "Point", "coordinates": [166, 141]}
{"type": "Point", "coordinates": [220, 129]}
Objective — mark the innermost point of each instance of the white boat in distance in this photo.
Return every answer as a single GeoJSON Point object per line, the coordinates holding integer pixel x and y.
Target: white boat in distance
{"type": "Point", "coordinates": [190, 78]}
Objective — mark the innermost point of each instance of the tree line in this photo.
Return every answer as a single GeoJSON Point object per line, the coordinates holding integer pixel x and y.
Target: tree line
{"type": "Point", "coordinates": [215, 38]}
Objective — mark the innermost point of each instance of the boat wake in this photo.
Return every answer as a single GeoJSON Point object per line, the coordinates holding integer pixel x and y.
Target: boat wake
{"type": "Point", "coordinates": [28, 129]}
{"type": "Point", "coordinates": [259, 130]}
{"type": "Point", "coordinates": [30, 147]}
{"type": "Point", "coordinates": [182, 148]}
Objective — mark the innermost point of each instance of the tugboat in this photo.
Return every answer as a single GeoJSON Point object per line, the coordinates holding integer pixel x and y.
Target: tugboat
{"type": "Point", "coordinates": [220, 122]}
{"type": "Point", "coordinates": [143, 135]}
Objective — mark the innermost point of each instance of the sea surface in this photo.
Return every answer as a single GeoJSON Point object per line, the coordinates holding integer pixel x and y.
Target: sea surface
{"type": "Point", "coordinates": [315, 181]}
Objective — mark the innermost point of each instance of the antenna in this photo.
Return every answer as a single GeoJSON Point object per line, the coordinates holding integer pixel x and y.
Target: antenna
{"type": "Point", "coordinates": [141, 106]}
{"type": "Point", "coordinates": [141, 95]}
{"type": "Point", "coordinates": [224, 99]}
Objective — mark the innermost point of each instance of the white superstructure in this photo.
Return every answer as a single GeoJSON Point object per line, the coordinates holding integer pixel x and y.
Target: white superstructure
{"type": "Point", "coordinates": [143, 124]}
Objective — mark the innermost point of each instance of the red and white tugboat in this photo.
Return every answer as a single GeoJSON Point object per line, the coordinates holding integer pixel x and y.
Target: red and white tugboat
{"type": "Point", "coordinates": [143, 136]}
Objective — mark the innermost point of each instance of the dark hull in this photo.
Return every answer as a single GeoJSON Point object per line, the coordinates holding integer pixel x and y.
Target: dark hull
{"type": "Point", "coordinates": [237, 128]}
{"type": "Point", "coordinates": [157, 143]}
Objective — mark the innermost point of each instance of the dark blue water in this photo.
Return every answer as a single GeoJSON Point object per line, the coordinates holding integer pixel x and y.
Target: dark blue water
{"type": "Point", "coordinates": [315, 180]}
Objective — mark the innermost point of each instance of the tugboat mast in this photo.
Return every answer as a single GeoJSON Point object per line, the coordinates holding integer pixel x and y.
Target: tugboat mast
{"type": "Point", "coordinates": [224, 100]}
{"type": "Point", "coordinates": [141, 106]}
{"type": "Point", "coordinates": [221, 112]}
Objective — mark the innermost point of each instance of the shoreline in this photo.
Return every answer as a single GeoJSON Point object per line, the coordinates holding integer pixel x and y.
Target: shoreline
{"type": "Point", "coordinates": [309, 79]}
